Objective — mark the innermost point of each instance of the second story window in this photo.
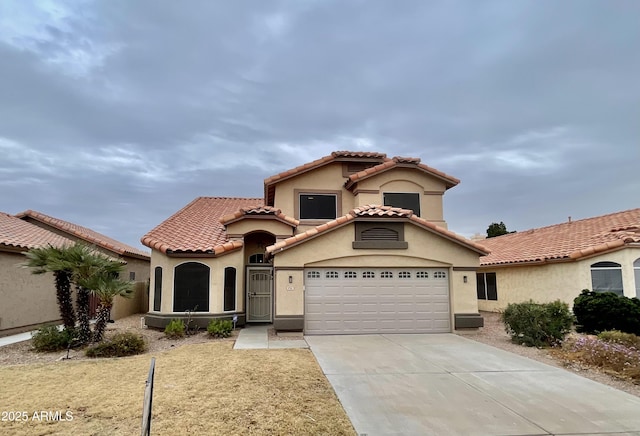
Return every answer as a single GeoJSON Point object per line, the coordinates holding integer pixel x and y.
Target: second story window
{"type": "Point", "coordinates": [318, 206]}
{"type": "Point", "coordinates": [403, 200]}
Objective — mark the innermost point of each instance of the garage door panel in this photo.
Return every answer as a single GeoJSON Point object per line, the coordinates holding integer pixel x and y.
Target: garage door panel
{"type": "Point", "coordinates": [402, 300]}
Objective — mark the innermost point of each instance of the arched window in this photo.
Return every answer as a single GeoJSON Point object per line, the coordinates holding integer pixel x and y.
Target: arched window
{"type": "Point", "coordinates": [607, 277]}
{"type": "Point", "coordinates": [636, 275]}
{"type": "Point", "coordinates": [229, 288]}
{"type": "Point", "coordinates": [157, 288]}
{"type": "Point", "coordinates": [191, 287]}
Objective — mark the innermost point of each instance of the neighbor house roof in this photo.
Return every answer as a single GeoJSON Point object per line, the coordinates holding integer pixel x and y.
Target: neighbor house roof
{"type": "Point", "coordinates": [197, 227]}
{"type": "Point", "coordinates": [400, 162]}
{"type": "Point", "coordinates": [374, 211]}
{"type": "Point", "coordinates": [84, 233]}
{"type": "Point", "coordinates": [21, 235]}
{"type": "Point", "coordinates": [567, 241]}
{"type": "Point", "coordinates": [336, 156]}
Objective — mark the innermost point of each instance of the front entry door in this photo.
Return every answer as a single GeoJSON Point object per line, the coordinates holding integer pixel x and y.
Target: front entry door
{"type": "Point", "coordinates": [259, 294]}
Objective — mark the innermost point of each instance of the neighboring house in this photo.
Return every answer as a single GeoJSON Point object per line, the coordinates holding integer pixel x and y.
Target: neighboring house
{"type": "Point", "coordinates": [354, 242]}
{"type": "Point", "coordinates": [559, 261]}
{"type": "Point", "coordinates": [29, 300]}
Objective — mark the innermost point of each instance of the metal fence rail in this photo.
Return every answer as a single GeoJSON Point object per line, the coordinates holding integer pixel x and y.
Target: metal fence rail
{"type": "Point", "coordinates": [148, 399]}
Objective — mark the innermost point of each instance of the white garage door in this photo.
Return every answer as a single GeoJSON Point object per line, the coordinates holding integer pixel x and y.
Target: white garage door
{"type": "Point", "coordinates": [376, 300]}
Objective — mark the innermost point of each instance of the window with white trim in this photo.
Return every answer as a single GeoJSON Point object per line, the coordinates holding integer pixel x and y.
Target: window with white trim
{"type": "Point", "coordinates": [386, 275]}
{"type": "Point", "coordinates": [607, 277]}
{"type": "Point", "coordinates": [487, 286]}
{"type": "Point", "coordinates": [404, 275]}
{"type": "Point", "coordinates": [350, 275]}
{"type": "Point", "coordinates": [439, 275]}
{"type": "Point", "coordinates": [332, 275]}
{"type": "Point", "coordinates": [368, 275]}
{"type": "Point", "coordinates": [636, 275]}
{"type": "Point", "coordinates": [422, 275]}
{"type": "Point", "coordinates": [313, 274]}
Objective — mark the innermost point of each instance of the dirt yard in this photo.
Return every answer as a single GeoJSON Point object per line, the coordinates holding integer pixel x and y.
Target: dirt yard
{"type": "Point", "coordinates": [202, 386]}
{"type": "Point", "coordinates": [494, 334]}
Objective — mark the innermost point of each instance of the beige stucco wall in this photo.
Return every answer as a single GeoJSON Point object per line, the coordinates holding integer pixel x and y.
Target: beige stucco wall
{"type": "Point", "coordinates": [25, 299]}
{"type": "Point", "coordinates": [550, 282]}
{"type": "Point", "coordinates": [326, 178]}
{"type": "Point", "coordinates": [335, 249]}
{"type": "Point", "coordinates": [216, 279]}
{"type": "Point", "coordinates": [406, 180]}
{"type": "Point", "coordinates": [245, 226]}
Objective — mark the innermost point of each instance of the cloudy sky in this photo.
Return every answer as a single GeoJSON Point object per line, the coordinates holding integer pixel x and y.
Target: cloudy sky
{"type": "Point", "coordinates": [115, 114]}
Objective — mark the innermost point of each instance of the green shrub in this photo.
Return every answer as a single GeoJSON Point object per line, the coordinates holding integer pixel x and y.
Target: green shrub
{"type": "Point", "coordinates": [50, 338]}
{"type": "Point", "coordinates": [175, 329]}
{"type": "Point", "coordinates": [219, 328]}
{"type": "Point", "coordinates": [601, 311]}
{"type": "Point", "coordinates": [536, 324]}
{"type": "Point", "coordinates": [627, 339]}
{"type": "Point", "coordinates": [120, 345]}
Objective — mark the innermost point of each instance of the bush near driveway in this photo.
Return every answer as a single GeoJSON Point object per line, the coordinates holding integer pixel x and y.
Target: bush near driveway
{"type": "Point", "coordinates": [601, 311]}
{"type": "Point", "coordinates": [49, 338]}
{"type": "Point", "coordinates": [537, 324]}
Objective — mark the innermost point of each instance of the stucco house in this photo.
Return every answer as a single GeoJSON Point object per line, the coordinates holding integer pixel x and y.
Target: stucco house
{"type": "Point", "coordinates": [354, 242]}
{"type": "Point", "coordinates": [29, 300]}
{"type": "Point", "coordinates": [559, 261]}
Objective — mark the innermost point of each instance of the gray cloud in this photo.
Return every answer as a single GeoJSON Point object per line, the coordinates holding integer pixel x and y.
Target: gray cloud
{"type": "Point", "coordinates": [116, 114]}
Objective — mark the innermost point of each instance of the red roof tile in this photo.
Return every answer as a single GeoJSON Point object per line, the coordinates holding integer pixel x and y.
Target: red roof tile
{"type": "Point", "coordinates": [196, 228]}
{"type": "Point", "coordinates": [373, 210]}
{"type": "Point", "coordinates": [259, 211]}
{"type": "Point", "coordinates": [396, 162]}
{"type": "Point", "coordinates": [85, 234]}
{"type": "Point", "coordinates": [19, 234]}
{"type": "Point", "coordinates": [567, 241]}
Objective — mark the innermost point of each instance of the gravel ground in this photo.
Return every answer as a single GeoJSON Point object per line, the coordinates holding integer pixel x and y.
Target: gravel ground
{"type": "Point", "coordinates": [22, 353]}
{"type": "Point", "coordinates": [494, 334]}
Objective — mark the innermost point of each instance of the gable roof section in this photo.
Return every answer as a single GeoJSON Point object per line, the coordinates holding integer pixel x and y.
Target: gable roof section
{"type": "Point", "coordinates": [565, 242]}
{"type": "Point", "coordinates": [196, 228]}
{"type": "Point", "coordinates": [373, 211]}
{"type": "Point", "coordinates": [400, 162]}
{"type": "Point", "coordinates": [85, 234]}
{"type": "Point", "coordinates": [16, 234]}
{"type": "Point", "coordinates": [259, 211]}
{"type": "Point", "coordinates": [336, 156]}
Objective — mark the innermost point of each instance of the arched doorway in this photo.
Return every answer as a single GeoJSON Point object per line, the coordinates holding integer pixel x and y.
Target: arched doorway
{"type": "Point", "coordinates": [259, 277]}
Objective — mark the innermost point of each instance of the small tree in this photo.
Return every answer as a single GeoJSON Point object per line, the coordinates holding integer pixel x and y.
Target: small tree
{"type": "Point", "coordinates": [496, 229]}
{"type": "Point", "coordinates": [106, 287]}
{"type": "Point", "coordinates": [48, 259]}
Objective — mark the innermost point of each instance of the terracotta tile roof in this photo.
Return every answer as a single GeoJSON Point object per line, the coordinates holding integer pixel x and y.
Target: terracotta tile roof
{"type": "Point", "coordinates": [396, 162]}
{"type": "Point", "coordinates": [567, 241]}
{"type": "Point", "coordinates": [259, 211]}
{"type": "Point", "coordinates": [85, 234]}
{"type": "Point", "coordinates": [374, 210]}
{"type": "Point", "coordinates": [19, 234]}
{"type": "Point", "coordinates": [196, 228]}
{"type": "Point", "coordinates": [367, 156]}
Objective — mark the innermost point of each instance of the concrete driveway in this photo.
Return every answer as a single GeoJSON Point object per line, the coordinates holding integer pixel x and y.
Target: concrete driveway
{"type": "Point", "coordinates": [448, 385]}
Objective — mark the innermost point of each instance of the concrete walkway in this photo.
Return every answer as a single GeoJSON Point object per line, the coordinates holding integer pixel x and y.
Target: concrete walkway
{"type": "Point", "coordinates": [14, 339]}
{"type": "Point", "coordinates": [444, 384]}
{"type": "Point", "coordinates": [256, 336]}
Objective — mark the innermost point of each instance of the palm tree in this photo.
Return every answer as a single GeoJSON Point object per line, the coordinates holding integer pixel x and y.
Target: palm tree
{"type": "Point", "coordinates": [49, 259]}
{"type": "Point", "coordinates": [86, 264]}
{"type": "Point", "coordinates": [106, 287]}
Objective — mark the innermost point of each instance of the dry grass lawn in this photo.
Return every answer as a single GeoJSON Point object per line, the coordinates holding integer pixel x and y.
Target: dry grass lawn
{"type": "Point", "coordinates": [203, 389]}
